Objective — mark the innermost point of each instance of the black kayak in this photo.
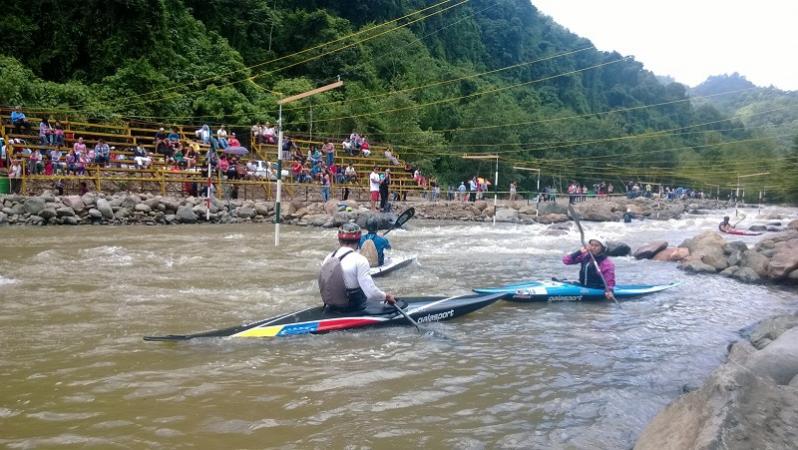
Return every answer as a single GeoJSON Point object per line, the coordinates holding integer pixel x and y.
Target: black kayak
{"type": "Point", "coordinates": [319, 319]}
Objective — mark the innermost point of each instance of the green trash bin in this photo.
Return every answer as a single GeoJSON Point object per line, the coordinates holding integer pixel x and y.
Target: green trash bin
{"type": "Point", "coordinates": [5, 187]}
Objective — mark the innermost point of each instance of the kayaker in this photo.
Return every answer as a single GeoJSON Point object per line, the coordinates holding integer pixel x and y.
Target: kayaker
{"type": "Point", "coordinates": [725, 226]}
{"type": "Point", "coordinates": [627, 216]}
{"type": "Point", "coordinates": [344, 279]}
{"type": "Point", "coordinates": [380, 243]}
{"type": "Point", "coordinates": [588, 276]}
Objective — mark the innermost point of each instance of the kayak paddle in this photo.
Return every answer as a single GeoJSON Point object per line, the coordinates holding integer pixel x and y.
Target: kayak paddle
{"type": "Point", "coordinates": [402, 219]}
{"type": "Point", "coordinates": [573, 215]}
{"type": "Point", "coordinates": [422, 331]}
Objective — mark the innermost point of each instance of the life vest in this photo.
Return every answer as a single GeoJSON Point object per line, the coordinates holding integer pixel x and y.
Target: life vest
{"type": "Point", "coordinates": [589, 276]}
{"type": "Point", "coordinates": [331, 282]}
{"type": "Point", "coordinates": [369, 250]}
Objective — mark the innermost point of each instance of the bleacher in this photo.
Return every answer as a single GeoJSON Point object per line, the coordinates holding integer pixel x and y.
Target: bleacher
{"type": "Point", "coordinates": [163, 177]}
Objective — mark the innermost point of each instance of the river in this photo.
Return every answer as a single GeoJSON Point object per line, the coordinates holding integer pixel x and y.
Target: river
{"type": "Point", "coordinates": [75, 372]}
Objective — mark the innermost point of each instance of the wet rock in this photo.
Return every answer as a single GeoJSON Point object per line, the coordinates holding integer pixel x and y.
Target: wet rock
{"type": "Point", "coordinates": [34, 205]}
{"type": "Point", "coordinates": [70, 220]}
{"type": "Point", "coordinates": [784, 260]}
{"type": "Point", "coordinates": [263, 209]}
{"type": "Point", "coordinates": [245, 212]}
{"type": "Point", "coordinates": [65, 211]}
{"type": "Point", "coordinates": [729, 271]}
{"type": "Point", "coordinates": [649, 250]}
{"type": "Point", "coordinates": [747, 275]}
{"type": "Point", "coordinates": [598, 211]}
{"type": "Point", "coordinates": [95, 214]}
{"type": "Point", "coordinates": [3, 218]}
{"type": "Point", "coordinates": [35, 220]}
{"type": "Point", "coordinates": [615, 248]}
{"type": "Point", "coordinates": [316, 220]}
{"type": "Point", "coordinates": [793, 225]}
{"type": "Point", "coordinates": [105, 208]}
{"type": "Point", "coordinates": [696, 266]}
{"type": "Point", "coordinates": [506, 215]}
{"type": "Point", "coordinates": [552, 218]}
{"type": "Point", "coordinates": [143, 208]}
{"type": "Point", "coordinates": [757, 228]}
{"type": "Point", "coordinates": [770, 329]}
{"type": "Point", "coordinates": [672, 254]}
{"type": "Point", "coordinates": [48, 213]}
{"type": "Point", "coordinates": [755, 261]}
{"type": "Point", "coordinates": [743, 404]}
{"type": "Point", "coordinates": [550, 208]}
{"type": "Point", "coordinates": [187, 214]}
{"type": "Point", "coordinates": [89, 199]}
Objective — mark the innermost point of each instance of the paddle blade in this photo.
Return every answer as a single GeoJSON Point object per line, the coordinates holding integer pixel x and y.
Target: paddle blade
{"type": "Point", "coordinates": [404, 217]}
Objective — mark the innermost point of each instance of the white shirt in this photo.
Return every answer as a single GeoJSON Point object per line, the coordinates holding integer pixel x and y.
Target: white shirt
{"type": "Point", "coordinates": [355, 268]}
{"type": "Point", "coordinates": [374, 182]}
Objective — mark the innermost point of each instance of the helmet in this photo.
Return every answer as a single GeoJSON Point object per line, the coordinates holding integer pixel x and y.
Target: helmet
{"type": "Point", "coordinates": [725, 218]}
{"type": "Point", "coordinates": [372, 224]}
{"type": "Point", "coordinates": [349, 232]}
{"type": "Point", "coordinates": [603, 247]}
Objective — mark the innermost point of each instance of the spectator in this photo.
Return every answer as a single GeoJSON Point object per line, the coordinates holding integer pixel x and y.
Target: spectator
{"type": "Point", "coordinates": [325, 186]}
{"type": "Point", "coordinates": [392, 159]}
{"type": "Point", "coordinates": [58, 134]}
{"type": "Point", "coordinates": [35, 165]}
{"type": "Point", "coordinates": [140, 158]}
{"type": "Point", "coordinates": [269, 134]}
{"type": "Point", "coordinates": [204, 134]}
{"type": "Point", "coordinates": [233, 142]}
{"type": "Point", "coordinates": [55, 156]}
{"type": "Point", "coordinates": [328, 150]}
{"type": "Point", "coordinates": [72, 162]}
{"type": "Point", "coordinates": [385, 183]}
{"type": "Point", "coordinates": [513, 191]}
{"type": "Point", "coordinates": [221, 135]}
{"type": "Point", "coordinates": [19, 120]}
{"type": "Point", "coordinates": [45, 132]}
{"type": "Point", "coordinates": [364, 147]}
{"type": "Point", "coordinates": [15, 176]}
{"type": "Point", "coordinates": [101, 152]}
{"type": "Point", "coordinates": [374, 188]}
{"type": "Point", "coordinates": [79, 147]}
{"type": "Point", "coordinates": [174, 138]}
{"type": "Point", "coordinates": [224, 164]}
{"type": "Point", "coordinates": [161, 142]}
{"type": "Point", "coordinates": [350, 174]}
{"type": "Point", "coordinates": [84, 188]}
{"type": "Point", "coordinates": [257, 133]}
{"type": "Point", "coordinates": [348, 147]}
{"type": "Point", "coordinates": [461, 191]}
{"type": "Point", "coordinates": [191, 156]}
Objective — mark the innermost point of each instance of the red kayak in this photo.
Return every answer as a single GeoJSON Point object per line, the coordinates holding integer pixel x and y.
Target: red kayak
{"type": "Point", "coordinates": [742, 232]}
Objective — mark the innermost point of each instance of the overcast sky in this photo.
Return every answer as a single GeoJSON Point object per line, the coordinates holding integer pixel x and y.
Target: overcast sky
{"type": "Point", "coordinates": [692, 39]}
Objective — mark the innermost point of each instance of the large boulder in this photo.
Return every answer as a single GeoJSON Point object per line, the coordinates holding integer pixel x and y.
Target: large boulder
{"type": "Point", "coordinates": [549, 208]}
{"type": "Point", "coordinates": [784, 260]}
{"type": "Point", "coordinates": [749, 402]}
{"type": "Point", "coordinates": [672, 254]}
{"type": "Point", "coordinates": [34, 205]}
{"type": "Point", "coordinates": [793, 225]}
{"type": "Point", "coordinates": [105, 208]}
{"type": "Point", "coordinates": [707, 248]}
{"type": "Point", "coordinates": [649, 250]}
{"type": "Point", "coordinates": [188, 214]}
{"type": "Point", "coordinates": [598, 211]}
{"type": "Point", "coordinates": [552, 218]}
{"type": "Point", "coordinates": [615, 248]}
{"type": "Point", "coordinates": [754, 261]}
{"type": "Point", "coordinates": [506, 215]}
{"type": "Point", "coordinates": [696, 266]}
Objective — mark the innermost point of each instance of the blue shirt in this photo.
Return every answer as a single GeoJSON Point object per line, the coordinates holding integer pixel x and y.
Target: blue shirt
{"type": "Point", "coordinates": [379, 242]}
{"type": "Point", "coordinates": [17, 115]}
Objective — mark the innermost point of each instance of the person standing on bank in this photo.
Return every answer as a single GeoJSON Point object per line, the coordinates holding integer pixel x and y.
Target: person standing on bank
{"type": "Point", "coordinates": [588, 275]}
{"type": "Point", "coordinates": [374, 187]}
{"type": "Point", "coordinates": [344, 280]}
{"type": "Point", "coordinates": [385, 183]}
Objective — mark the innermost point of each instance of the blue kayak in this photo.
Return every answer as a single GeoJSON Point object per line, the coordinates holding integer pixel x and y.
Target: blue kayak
{"type": "Point", "coordinates": [565, 291]}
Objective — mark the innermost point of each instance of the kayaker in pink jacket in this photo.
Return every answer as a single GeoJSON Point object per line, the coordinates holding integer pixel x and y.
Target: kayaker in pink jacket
{"type": "Point", "coordinates": [588, 276]}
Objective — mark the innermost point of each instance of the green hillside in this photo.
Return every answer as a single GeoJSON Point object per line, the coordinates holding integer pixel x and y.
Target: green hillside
{"type": "Point", "coordinates": [435, 80]}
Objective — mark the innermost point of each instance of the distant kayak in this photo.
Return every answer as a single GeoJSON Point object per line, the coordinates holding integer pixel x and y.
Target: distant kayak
{"type": "Point", "coordinates": [741, 232]}
{"type": "Point", "coordinates": [392, 263]}
{"type": "Point", "coordinates": [563, 291]}
{"type": "Point", "coordinates": [318, 319]}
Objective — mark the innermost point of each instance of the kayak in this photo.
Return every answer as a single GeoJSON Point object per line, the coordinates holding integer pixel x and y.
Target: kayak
{"type": "Point", "coordinates": [391, 263]}
{"type": "Point", "coordinates": [742, 232]}
{"type": "Point", "coordinates": [564, 291]}
{"type": "Point", "coordinates": [319, 319]}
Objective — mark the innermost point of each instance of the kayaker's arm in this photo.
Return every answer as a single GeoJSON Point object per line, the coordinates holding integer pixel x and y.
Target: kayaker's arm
{"type": "Point", "coordinates": [574, 258]}
{"type": "Point", "coordinates": [365, 282]}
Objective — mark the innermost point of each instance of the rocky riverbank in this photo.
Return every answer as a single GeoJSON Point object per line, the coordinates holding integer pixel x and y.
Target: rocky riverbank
{"type": "Point", "coordinates": [773, 259]}
{"type": "Point", "coordinates": [129, 208]}
{"type": "Point", "coordinates": [751, 401]}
